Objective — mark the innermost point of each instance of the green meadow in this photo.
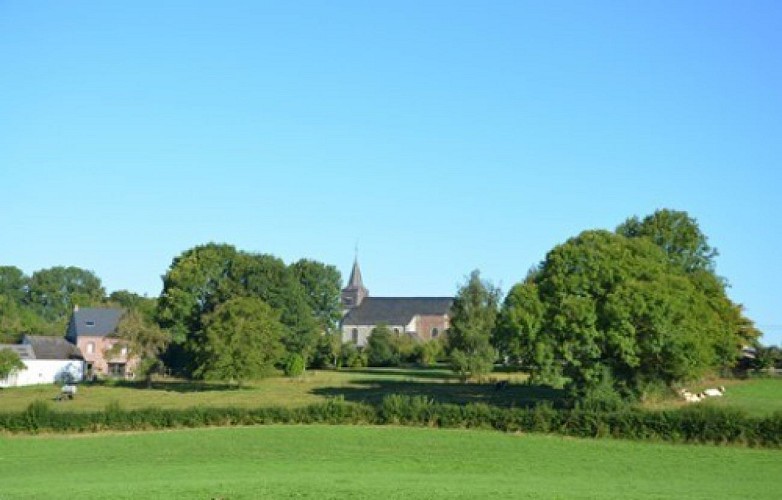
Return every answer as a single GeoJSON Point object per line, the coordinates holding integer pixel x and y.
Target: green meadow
{"type": "Point", "coordinates": [375, 462]}
{"type": "Point", "coordinates": [758, 397]}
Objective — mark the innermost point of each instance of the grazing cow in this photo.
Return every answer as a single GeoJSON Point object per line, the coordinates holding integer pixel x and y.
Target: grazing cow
{"type": "Point", "coordinates": [719, 391]}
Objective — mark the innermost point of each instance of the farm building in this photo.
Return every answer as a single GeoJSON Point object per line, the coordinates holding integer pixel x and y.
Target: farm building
{"type": "Point", "coordinates": [47, 360]}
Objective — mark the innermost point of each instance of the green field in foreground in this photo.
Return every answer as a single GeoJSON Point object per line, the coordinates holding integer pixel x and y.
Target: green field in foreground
{"type": "Point", "coordinates": [375, 462]}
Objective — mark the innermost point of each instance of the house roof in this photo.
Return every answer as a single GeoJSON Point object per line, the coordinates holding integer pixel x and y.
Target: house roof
{"type": "Point", "coordinates": [52, 347]}
{"type": "Point", "coordinates": [95, 322]}
{"type": "Point", "coordinates": [396, 310]}
{"type": "Point", "coordinates": [22, 350]}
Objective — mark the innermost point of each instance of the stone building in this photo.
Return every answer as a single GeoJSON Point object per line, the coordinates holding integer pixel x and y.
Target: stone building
{"type": "Point", "coordinates": [422, 318]}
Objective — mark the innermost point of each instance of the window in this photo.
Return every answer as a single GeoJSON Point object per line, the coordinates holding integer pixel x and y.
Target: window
{"type": "Point", "coordinates": [396, 330]}
{"type": "Point", "coordinates": [90, 347]}
{"type": "Point", "coordinates": [435, 333]}
{"type": "Point", "coordinates": [90, 323]}
{"type": "Point", "coordinates": [117, 369]}
{"type": "Point", "coordinates": [123, 351]}
{"type": "Point", "coordinates": [354, 335]}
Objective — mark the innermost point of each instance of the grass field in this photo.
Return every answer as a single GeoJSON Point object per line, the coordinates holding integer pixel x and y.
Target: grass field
{"type": "Point", "coordinates": [375, 462]}
{"type": "Point", "coordinates": [757, 396]}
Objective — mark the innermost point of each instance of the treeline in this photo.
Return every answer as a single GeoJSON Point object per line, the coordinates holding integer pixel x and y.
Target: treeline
{"type": "Point", "coordinates": [223, 313]}
{"type": "Point", "coordinates": [703, 425]}
{"type": "Point", "coordinates": [41, 304]}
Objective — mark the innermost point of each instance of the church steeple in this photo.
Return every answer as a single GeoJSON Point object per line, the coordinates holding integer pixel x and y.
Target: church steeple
{"type": "Point", "coordinates": [354, 293]}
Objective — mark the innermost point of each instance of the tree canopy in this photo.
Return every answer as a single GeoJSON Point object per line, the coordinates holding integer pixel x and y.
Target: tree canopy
{"type": "Point", "coordinates": [241, 341]}
{"type": "Point", "coordinates": [205, 277]}
{"type": "Point", "coordinates": [636, 308]}
{"type": "Point", "coordinates": [473, 317]}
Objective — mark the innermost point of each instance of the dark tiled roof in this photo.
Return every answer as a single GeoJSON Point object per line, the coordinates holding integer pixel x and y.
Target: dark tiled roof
{"type": "Point", "coordinates": [24, 351]}
{"type": "Point", "coordinates": [52, 347]}
{"type": "Point", "coordinates": [396, 310]}
{"type": "Point", "coordinates": [94, 322]}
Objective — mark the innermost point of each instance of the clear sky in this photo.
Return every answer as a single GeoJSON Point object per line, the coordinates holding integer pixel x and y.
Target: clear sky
{"type": "Point", "coordinates": [440, 136]}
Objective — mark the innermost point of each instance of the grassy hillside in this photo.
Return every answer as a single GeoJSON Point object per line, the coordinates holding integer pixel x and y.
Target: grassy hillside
{"type": "Point", "coordinates": [386, 462]}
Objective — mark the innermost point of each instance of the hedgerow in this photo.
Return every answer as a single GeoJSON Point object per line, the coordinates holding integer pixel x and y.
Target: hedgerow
{"type": "Point", "coordinates": [703, 425]}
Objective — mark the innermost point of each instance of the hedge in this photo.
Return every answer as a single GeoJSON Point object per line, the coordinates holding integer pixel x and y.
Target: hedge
{"type": "Point", "coordinates": [706, 425]}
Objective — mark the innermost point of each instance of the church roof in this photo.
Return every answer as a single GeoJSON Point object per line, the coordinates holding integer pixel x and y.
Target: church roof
{"type": "Point", "coordinates": [396, 310]}
{"type": "Point", "coordinates": [355, 281]}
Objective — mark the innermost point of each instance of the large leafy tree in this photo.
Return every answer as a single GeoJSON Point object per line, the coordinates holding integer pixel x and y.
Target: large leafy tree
{"type": "Point", "coordinates": [9, 363]}
{"type": "Point", "coordinates": [241, 341]}
{"type": "Point", "coordinates": [13, 283]}
{"type": "Point", "coordinates": [380, 347]}
{"type": "Point", "coordinates": [204, 277]}
{"type": "Point", "coordinates": [602, 304]}
{"type": "Point", "coordinates": [54, 291]}
{"type": "Point", "coordinates": [473, 317]}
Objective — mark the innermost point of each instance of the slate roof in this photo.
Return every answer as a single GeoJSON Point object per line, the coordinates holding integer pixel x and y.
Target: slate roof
{"type": "Point", "coordinates": [24, 351]}
{"type": "Point", "coordinates": [93, 322]}
{"type": "Point", "coordinates": [52, 347]}
{"type": "Point", "coordinates": [396, 310]}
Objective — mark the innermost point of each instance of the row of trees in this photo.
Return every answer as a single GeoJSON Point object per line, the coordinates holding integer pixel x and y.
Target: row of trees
{"type": "Point", "coordinates": [626, 309]}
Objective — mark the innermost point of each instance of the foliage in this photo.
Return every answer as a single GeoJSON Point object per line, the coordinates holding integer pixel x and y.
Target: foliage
{"type": "Point", "coordinates": [643, 306]}
{"type": "Point", "coordinates": [322, 285]}
{"type": "Point", "coordinates": [144, 340]}
{"type": "Point", "coordinates": [428, 353]}
{"type": "Point", "coordinates": [473, 317]}
{"type": "Point", "coordinates": [55, 291]}
{"type": "Point", "coordinates": [677, 234]}
{"type": "Point", "coordinates": [294, 365]}
{"type": "Point", "coordinates": [241, 341]}
{"type": "Point", "coordinates": [380, 349]}
{"type": "Point", "coordinates": [204, 277]}
{"type": "Point", "coordinates": [351, 357]}
{"type": "Point", "coordinates": [9, 363]}
{"type": "Point", "coordinates": [127, 300]}
{"type": "Point", "coordinates": [328, 350]}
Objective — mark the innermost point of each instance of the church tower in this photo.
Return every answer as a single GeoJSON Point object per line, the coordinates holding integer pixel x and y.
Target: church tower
{"type": "Point", "coordinates": [354, 293]}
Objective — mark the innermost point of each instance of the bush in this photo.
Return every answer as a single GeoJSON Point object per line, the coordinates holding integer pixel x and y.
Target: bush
{"type": "Point", "coordinates": [294, 365]}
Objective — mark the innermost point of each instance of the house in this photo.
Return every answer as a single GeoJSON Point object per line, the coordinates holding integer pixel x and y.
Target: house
{"type": "Point", "coordinates": [421, 318]}
{"type": "Point", "coordinates": [47, 360]}
{"type": "Point", "coordinates": [93, 331]}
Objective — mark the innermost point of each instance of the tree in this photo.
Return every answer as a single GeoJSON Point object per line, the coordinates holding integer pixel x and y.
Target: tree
{"type": "Point", "coordinates": [677, 234]}
{"type": "Point", "coordinates": [54, 291]}
{"type": "Point", "coordinates": [129, 300]}
{"type": "Point", "coordinates": [473, 317]}
{"type": "Point", "coordinates": [144, 340]}
{"type": "Point", "coordinates": [9, 363]}
{"type": "Point", "coordinates": [241, 341]}
{"type": "Point", "coordinates": [604, 308]}
{"type": "Point", "coordinates": [207, 276]}
{"type": "Point", "coordinates": [13, 283]}
{"type": "Point", "coordinates": [322, 284]}
{"type": "Point", "coordinates": [380, 347]}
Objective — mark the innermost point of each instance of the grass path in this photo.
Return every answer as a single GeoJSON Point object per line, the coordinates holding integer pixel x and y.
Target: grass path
{"type": "Point", "coordinates": [375, 462]}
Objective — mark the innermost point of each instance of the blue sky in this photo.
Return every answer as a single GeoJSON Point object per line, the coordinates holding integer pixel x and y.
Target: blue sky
{"type": "Point", "coordinates": [440, 136]}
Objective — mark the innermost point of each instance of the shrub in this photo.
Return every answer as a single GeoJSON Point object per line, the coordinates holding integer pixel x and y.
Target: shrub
{"type": "Point", "coordinates": [294, 365]}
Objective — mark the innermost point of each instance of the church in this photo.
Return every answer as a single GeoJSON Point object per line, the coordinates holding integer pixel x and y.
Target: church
{"type": "Point", "coordinates": [421, 318]}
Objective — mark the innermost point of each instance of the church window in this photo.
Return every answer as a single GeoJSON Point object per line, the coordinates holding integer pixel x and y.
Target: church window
{"type": "Point", "coordinates": [354, 334]}
{"type": "Point", "coordinates": [396, 330]}
{"type": "Point", "coordinates": [435, 333]}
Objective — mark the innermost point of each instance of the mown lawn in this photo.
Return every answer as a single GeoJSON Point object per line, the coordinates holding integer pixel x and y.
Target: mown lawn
{"type": "Point", "coordinates": [375, 462]}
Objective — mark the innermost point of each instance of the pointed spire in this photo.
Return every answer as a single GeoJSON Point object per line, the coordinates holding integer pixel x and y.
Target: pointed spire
{"type": "Point", "coordinates": [355, 280]}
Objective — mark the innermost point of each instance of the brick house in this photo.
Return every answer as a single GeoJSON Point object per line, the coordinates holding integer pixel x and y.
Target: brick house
{"type": "Point", "coordinates": [93, 331]}
{"type": "Point", "coordinates": [421, 318]}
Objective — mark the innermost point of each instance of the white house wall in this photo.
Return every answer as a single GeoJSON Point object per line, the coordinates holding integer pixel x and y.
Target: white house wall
{"type": "Point", "coordinates": [45, 371]}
